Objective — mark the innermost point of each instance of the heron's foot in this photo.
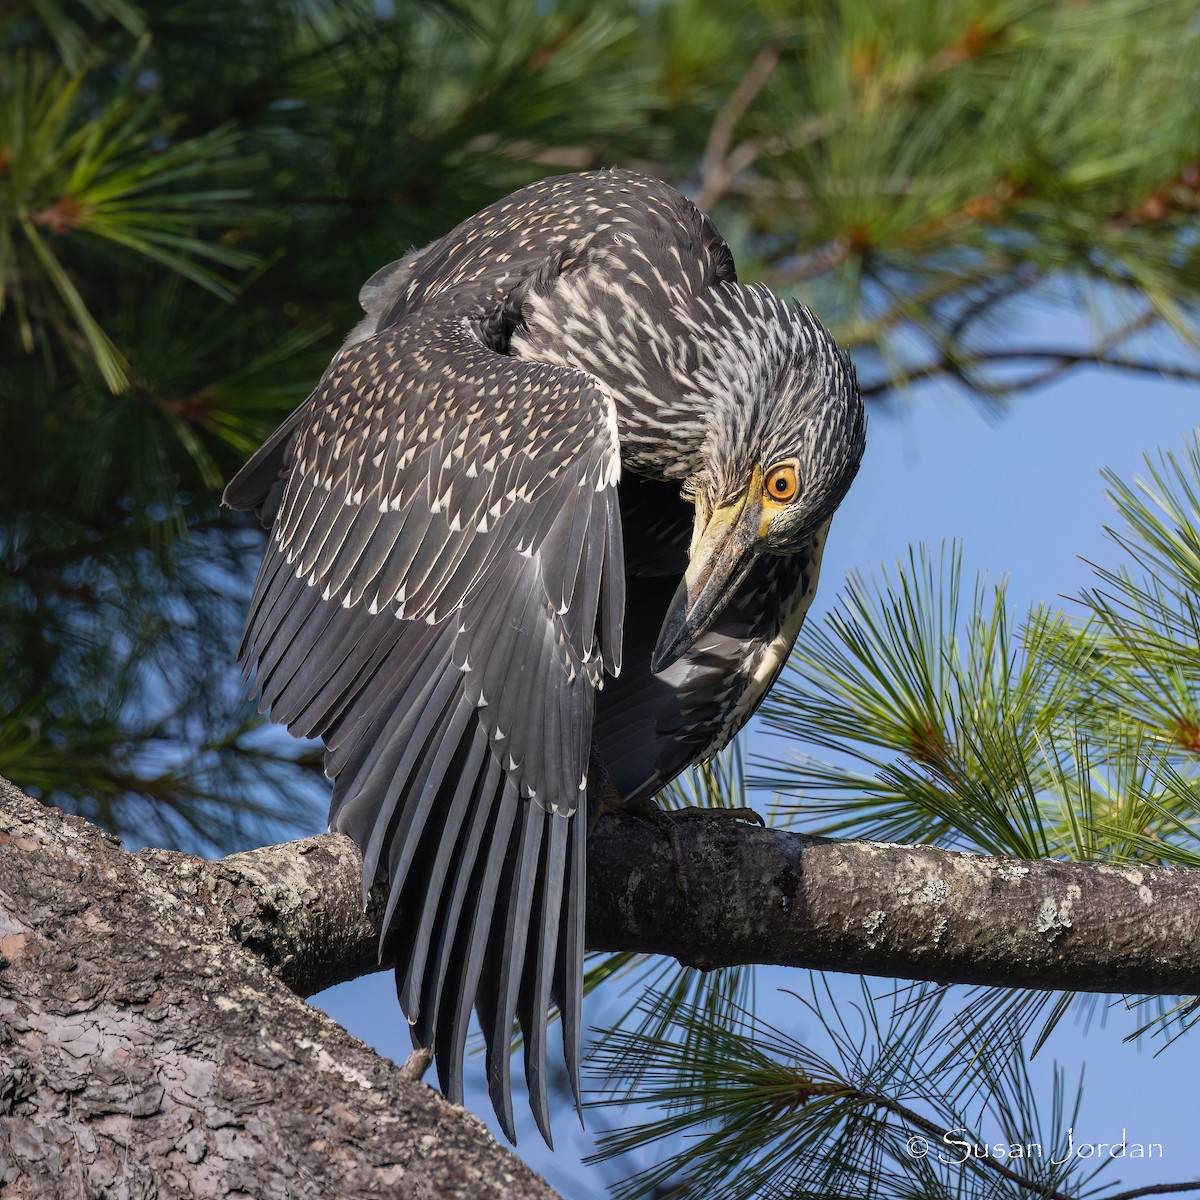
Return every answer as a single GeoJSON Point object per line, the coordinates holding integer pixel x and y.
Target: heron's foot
{"type": "Point", "coordinates": [706, 810]}
{"type": "Point", "coordinates": [667, 822]}
{"type": "Point", "coordinates": [603, 797]}
{"type": "Point", "coordinates": [417, 1063]}
{"type": "Point", "coordinates": [650, 810]}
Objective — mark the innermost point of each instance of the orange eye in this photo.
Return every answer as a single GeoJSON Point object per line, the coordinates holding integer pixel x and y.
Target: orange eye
{"type": "Point", "coordinates": [781, 483]}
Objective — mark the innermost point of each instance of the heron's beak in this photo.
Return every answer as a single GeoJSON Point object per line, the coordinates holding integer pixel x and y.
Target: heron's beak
{"type": "Point", "coordinates": [722, 554]}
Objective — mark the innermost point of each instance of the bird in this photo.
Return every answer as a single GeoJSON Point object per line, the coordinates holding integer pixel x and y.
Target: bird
{"type": "Point", "coordinates": [542, 536]}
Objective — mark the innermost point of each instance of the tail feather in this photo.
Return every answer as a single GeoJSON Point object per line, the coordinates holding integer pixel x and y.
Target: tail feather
{"type": "Point", "coordinates": [442, 856]}
{"type": "Point", "coordinates": [504, 958]}
{"type": "Point", "coordinates": [534, 999]}
{"type": "Point", "coordinates": [385, 774]}
{"type": "Point", "coordinates": [426, 786]}
{"type": "Point", "coordinates": [466, 964]}
{"type": "Point", "coordinates": [568, 972]}
{"type": "Point", "coordinates": [474, 839]}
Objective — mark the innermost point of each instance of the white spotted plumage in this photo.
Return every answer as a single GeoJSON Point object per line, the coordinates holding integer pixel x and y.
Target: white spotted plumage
{"type": "Point", "coordinates": [490, 464]}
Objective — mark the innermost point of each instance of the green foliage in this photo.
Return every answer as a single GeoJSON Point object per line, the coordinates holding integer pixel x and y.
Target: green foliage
{"type": "Point", "coordinates": [191, 194]}
{"type": "Point", "coordinates": [918, 167]}
{"type": "Point", "coordinates": [944, 720]}
{"type": "Point", "coordinates": [884, 1113]}
{"type": "Point", "coordinates": [1058, 735]}
{"type": "Point", "coordinates": [82, 176]}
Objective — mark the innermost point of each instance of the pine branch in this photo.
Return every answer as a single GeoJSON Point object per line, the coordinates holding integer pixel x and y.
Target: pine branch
{"type": "Point", "coordinates": [1061, 360]}
{"type": "Point", "coordinates": [1157, 1189]}
{"type": "Point", "coordinates": [942, 1136]}
{"type": "Point", "coordinates": [719, 166]}
{"type": "Point", "coordinates": [766, 896]}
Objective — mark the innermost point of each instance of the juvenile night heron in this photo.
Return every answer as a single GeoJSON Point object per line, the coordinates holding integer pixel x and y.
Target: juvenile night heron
{"type": "Point", "coordinates": [554, 514]}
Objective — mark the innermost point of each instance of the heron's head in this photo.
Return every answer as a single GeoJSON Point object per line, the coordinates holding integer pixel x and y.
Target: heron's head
{"type": "Point", "coordinates": [786, 435]}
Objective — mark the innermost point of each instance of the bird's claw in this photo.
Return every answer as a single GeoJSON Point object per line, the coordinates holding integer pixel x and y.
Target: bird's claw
{"type": "Point", "coordinates": [741, 813]}
{"type": "Point", "coordinates": [667, 820]}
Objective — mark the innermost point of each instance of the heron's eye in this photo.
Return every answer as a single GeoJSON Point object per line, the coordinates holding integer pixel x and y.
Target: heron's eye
{"type": "Point", "coordinates": [782, 483]}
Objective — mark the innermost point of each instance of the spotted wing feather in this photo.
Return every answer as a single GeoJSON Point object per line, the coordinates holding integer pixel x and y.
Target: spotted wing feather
{"type": "Point", "coordinates": [441, 594]}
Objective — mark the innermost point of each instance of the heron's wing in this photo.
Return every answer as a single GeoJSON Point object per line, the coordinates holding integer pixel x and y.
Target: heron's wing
{"type": "Point", "coordinates": [441, 594]}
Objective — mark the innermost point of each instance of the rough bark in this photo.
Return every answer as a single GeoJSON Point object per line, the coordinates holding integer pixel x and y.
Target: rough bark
{"type": "Point", "coordinates": [766, 896]}
{"type": "Point", "coordinates": [151, 1046]}
{"type": "Point", "coordinates": [914, 912]}
{"type": "Point", "coordinates": [145, 1052]}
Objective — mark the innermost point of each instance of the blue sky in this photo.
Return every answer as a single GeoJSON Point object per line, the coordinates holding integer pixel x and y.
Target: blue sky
{"type": "Point", "coordinates": [1021, 491]}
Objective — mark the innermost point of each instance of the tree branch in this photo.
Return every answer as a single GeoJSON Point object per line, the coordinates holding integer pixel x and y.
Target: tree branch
{"type": "Point", "coordinates": [940, 1136]}
{"type": "Point", "coordinates": [767, 896]}
{"type": "Point", "coordinates": [1061, 361]}
{"type": "Point", "coordinates": [143, 1052]}
{"type": "Point", "coordinates": [144, 1024]}
{"type": "Point", "coordinates": [1157, 1189]}
{"type": "Point", "coordinates": [718, 167]}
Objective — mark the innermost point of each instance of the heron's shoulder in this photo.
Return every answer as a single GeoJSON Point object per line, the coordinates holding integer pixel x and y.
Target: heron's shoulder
{"type": "Point", "coordinates": [611, 222]}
